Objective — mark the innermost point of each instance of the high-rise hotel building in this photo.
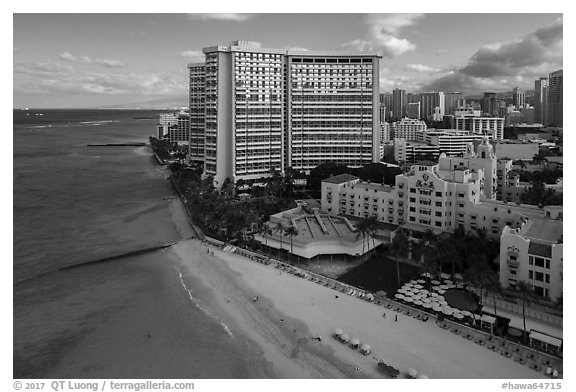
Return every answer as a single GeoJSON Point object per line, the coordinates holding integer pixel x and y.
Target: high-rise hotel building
{"type": "Point", "coordinates": [555, 83]}
{"type": "Point", "coordinates": [271, 109]}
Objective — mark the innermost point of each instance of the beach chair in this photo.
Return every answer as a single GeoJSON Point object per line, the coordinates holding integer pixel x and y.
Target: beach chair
{"type": "Point", "coordinates": [555, 373]}
{"type": "Point", "coordinates": [548, 371]}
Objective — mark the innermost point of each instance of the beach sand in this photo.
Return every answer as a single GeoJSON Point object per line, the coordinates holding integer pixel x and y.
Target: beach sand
{"type": "Point", "coordinates": [310, 310]}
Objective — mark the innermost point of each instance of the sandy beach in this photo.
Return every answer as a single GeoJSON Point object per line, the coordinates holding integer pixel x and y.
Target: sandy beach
{"type": "Point", "coordinates": [290, 312]}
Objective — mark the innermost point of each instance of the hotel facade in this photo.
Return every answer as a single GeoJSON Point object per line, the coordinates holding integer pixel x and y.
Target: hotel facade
{"type": "Point", "coordinates": [455, 192]}
{"type": "Point", "coordinates": [271, 109]}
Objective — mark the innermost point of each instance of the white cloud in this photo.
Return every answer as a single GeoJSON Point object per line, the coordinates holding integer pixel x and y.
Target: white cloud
{"type": "Point", "coordinates": [383, 34]}
{"type": "Point", "coordinates": [422, 68]}
{"type": "Point", "coordinates": [222, 16]}
{"type": "Point", "coordinates": [192, 55]}
{"type": "Point", "coordinates": [391, 23]}
{"type": "Point", "coordinates": [67, 56]}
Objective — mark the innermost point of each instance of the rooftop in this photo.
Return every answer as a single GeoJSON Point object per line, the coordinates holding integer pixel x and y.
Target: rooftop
{"type": "Point", "coordinates": [543, 229]}
{"type": "Point", "coordinates": [426, 163]}
{"type": "Point", "coordinates": [341, 178]}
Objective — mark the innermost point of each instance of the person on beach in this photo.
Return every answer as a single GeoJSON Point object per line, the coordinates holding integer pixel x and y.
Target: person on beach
{"type": "Point", "coordinates": [396, 318]}
{"type": "Point", "coordinates": [384, 315]}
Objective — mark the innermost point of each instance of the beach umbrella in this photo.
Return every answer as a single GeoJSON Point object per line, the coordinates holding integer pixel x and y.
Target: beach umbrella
{"type": "Point", "coordinates": [399, 296]}
{"type": "Point", "coordinates": [421, 281]}
{"type": "Point", "coordinates": [458, 276]}
{"type": "Point", "coordinates": [441, 291]}
{"type": "Point", "coordinates": [448, 281]}
{"type": "Point", "coordinates": [427, 305]}
{"type": "Point", "coordinates": [370, 297]}
{"type": "Point", "coordinates": [365, 349]}
{"type": "Point", "coordinates": [413, 281]}
{"type": "Point", "coordinates": [443, 302]}
{"type": "Point", "coordinates": [444, 286]}
{"type": "Point", "coordinates": [435, 295]}
{"type": "Point", "coordinates": [412, 373]}
{"type": "Point", "coordinates": [418, 286]}
{"type": "Point", "coordinates": [424, 291]}
{"type": "Point", "coordinates": [344, 337]}
{"type": "Point", "coordinates": [434, 282]}
{"type": "Point", "coordinates": [408, 284]}
{"type": "Point", "coordinates": [427, 275]}
{"type": "Point", "coordinates": [338, 332]}
{"type": "Point", "coordinates": [422, 376]}
{"type": "Point", "coordinates": [408, 299]}
{"type": "Point", "coordinates": [447, 310]}
{"type": "Point", "coordinates": [426, 300]}
{"type": "Point", "coordinates": [436, 308]}
{"type": "Point", "coordinates": [444, 275]}
{"type": "Point", "coordinates": [355, 342]}
{"type": "Point", "coordinates": [417, 302]}
{"type": "Point", "coordinates": [440, 297]}
{"type": "Point", "coordinates": [459, 316]}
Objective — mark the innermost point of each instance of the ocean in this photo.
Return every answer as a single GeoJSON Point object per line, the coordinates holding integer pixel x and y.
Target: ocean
{"type": "Point", "coordinates": [129, 318]}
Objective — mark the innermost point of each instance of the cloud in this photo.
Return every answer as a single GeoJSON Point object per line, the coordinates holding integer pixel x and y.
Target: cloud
{"type": "Point", "coordinates": [422, 68]}
{"type": "Point", "coordinates": [391, 23]}
{"type": "Point", "coordinates": [69, 57]}
{"type": "Point", "coordinates": [442, 51]}
{"type": "Point", "coordinates": [298, 48]}
{"type": "Point", "coordinates": [383, 34]}
{"type": "Point", "coordinates": [519, 61]}
{"type": "Point", "coordinates": [42, 69]}
{"type": "Point", "coordinates": [221, 16]}
{"type": "Point", "coordinates": [192, 55]}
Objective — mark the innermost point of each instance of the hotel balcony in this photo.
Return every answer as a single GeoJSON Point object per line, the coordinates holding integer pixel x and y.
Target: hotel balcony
{"type": "Point", "coordinates": [513, 263]}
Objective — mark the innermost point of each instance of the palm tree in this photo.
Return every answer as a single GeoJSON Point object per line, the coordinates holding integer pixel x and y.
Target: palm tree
{"type": "Point", "coordinates": [525, 290]}
{"type": "Point", "coordinates": [279, 227]}
{"type": "Point", "coordinates": [365, 229]}
{"type": "Point", "coordinates": [291, 231]}
{"type": "Point", "coordinates": [266, 232]}
{"type": "Point", "coordinates": [493, 286]}
{"type": "Point", "coordinates": [400, 247]}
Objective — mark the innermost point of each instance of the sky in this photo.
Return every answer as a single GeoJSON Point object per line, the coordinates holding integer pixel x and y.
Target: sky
{"type": "Point", "coordinates": [97, 60]}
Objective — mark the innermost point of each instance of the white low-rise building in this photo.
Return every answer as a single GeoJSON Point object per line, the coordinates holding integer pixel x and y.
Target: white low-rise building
{"type": "Point", "coordinates": [534, 253]}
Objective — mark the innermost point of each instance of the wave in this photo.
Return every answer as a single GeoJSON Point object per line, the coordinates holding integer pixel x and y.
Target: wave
{"type": "Point", "coordinates": [196, 303]}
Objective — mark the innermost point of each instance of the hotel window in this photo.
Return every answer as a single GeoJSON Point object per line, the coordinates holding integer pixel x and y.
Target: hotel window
{"type": "Point", "coordinates": [439, 224]}
{"type": "Point", "coordinates": [438, 204]}
{"type": "Point", "coordinates": [412, 219]}
{"type": "Point", "coordinates": [531, 260]}
{"type": "Point", "coordinates": [438, 194]}
{"type": "Point", "coordinates": [547, 278]}
{"type": "Point", "coordinates": [460, 194]}
{"type": "Point", "coordinates": [412, 190]}
{"type": "Point", "coordinates": [539, 276]}
{"type": "Point", "coordinates": [539, 262]}
{"type": "Point", "coordinates": [530, 274]}
{"type": "Point", "coordinates": [413, 200]}
{"type": "Point", "coordinates": [438, 213]}
{"type": "Point", "coordinates": [548, 264]}
{"type": "Point", "coordinates": [412, 209]}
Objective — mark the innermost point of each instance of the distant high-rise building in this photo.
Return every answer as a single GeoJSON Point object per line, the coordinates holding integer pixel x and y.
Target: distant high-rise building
{"type": "Point", "coordinates": [519, 97]}
{"type": "Point", "coordinates": [271, 109]}
{"type": "Point", "coordinates": [398, 104]}
{"type": "Point", "coordinates": [429, 102]}
{"type": "Point", "coordinates": [383, 108]}
{"type": "Point", "coordinates": [488, 104]}
{"type": "Point", "coordinates": [540, 100]}
{"type": "Point", "coordinates": [413, 110]}
{"type": "Point", "coordinates": [453, 101]}
{"type": "Point", "coordinates": [555, 82]}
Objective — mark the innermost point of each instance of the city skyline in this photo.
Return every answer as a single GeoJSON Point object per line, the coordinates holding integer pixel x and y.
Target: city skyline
{"type": "Point", "coordinates": [53, 66]}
